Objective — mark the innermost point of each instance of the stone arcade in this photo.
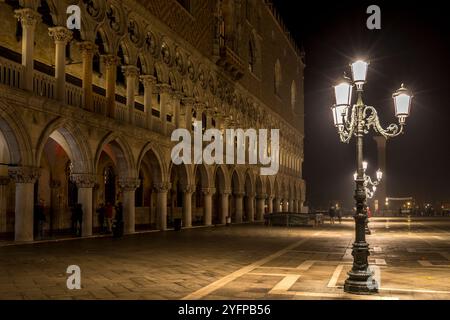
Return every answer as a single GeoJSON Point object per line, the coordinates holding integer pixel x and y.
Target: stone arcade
{"type": "Point", "coordinates": [86, 116]}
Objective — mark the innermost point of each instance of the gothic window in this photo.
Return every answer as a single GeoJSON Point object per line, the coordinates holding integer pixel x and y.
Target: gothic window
{"type": "Point", "coordinates": [251, 57]}
{"type": "Point", "coordinates": [141, 89]}
{"type": "Point", "coordinates": [293, 95]}
{"type": "Point", "coordinates": [120, 76]}
{"type": "Point", "coordinates": [277, 77]}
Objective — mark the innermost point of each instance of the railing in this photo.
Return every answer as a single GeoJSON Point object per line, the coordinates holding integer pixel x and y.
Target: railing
{"type": "Point", "coordinates": [99, 103]}
{"type": "Point", "coordinates": [121, 112]}
{"type": "Point", "coordinates": [43, 85]}
{"type": "Point", "coordinates": [74, 95]}
{"type": "Point", "coordinates": [140, 119]}
{"type": "Point", "coordinates": [11, 73]}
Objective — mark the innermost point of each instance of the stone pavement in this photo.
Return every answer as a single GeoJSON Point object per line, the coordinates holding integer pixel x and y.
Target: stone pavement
{"type": "Point", "coordinates": [410, 257]}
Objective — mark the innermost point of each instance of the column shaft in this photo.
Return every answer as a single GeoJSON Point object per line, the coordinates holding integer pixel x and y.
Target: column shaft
{"type": "Point", "coordinates": [187, 209]}
{"type": "Point", "coordinates": [224, 206]}
{"type": "Point", "coordinates": [239, 207]}
{"type": "Point", "coordinates": [111, 63]}
{"type": "Point", "coordinates": [260, 209]}
{"type": "Point", "coordinates": [87, 53]}
{"type": "Point", "coordinates": [28, 18]}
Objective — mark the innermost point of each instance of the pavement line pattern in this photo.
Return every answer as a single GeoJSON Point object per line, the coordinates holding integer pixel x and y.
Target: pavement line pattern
{"type": "Point", "coordinates": [234, 275]}
{"type": "Point", "coordinates": [305, 265]}
{"type": "Point", "coordinates": [335, 276]}
{"type": "Point", "coordinates": [285, 284]}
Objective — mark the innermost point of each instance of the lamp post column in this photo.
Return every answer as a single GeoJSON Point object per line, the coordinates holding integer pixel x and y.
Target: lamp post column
{"type": "Point", "coordinates": [360, 279]}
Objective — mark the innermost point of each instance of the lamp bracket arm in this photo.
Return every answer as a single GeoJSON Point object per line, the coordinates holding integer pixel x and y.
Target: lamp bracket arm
{"type": "Point", "coordinates": [372, 120]}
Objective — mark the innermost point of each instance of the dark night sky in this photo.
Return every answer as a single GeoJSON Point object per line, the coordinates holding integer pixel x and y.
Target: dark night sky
{"type": "Point", "coordinates": [413, 47]}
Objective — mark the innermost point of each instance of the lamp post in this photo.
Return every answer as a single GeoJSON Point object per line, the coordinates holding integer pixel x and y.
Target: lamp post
{"type": "Point", "coordinates": [357, 121]}
{"type": "Point", "coordinates": [370, 187]}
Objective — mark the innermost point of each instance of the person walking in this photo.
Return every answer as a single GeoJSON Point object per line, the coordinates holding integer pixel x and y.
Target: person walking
{"type": "Point", "coordinates": [332, 213]}
{"type": "Point", "coordinates": [339, 215]}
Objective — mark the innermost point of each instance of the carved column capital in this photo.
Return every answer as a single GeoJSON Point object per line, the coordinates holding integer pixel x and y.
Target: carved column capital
{"type": "Point", "coordinates": [239, 194]}
{"type": "Point", "coordinates": [28, 17]}
{"type": "Point", "coordinates": [111, 60]}
{"type": "Point", "coordinates": [226, 192]}
{"type": "Point", "coordinates": [87, 48]}
{"type": "Point", "coordinates": [188, 101]}
{"type": "Point", "coordinates": [4, 180]}
{"type": "Point", "coordinates": [147, 80]}
{"type": "Point", "coordinates": [129, 184]}
{"type": "Point", "coordinates": [163, 88]}
{"type": "Point", "coordinates": [161, 187]}
{"type": "Point", "coordinates": [60, 34]}
{"type": "Point", "coordinates": [130, 71]}
{"type": "Point", "coordinates": [24, 174]}
{"type": "Point", "coordinates": [261, 196]}
{"type": "Point", "coordinates": [208, 191]}
{"type": "Point", "coordinates": [188, 188]}
{"type": "Point", "coordinates": [83, 180]}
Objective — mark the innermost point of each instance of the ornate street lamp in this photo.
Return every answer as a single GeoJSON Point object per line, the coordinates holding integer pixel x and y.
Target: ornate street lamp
{"type": "Point", "coordinates": [357, 122]}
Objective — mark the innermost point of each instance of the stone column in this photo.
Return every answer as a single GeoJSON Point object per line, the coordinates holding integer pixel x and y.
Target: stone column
{"type": "Point", "coordinates": [4, 181]}
{"type": "Point", "coordinates": [164, 91]}
{"type": "Point", "coordinates": [24, 177]}
{"type": "Point", "coordinates": [224, 206]}
{"type": "Point", "coordinates": [187, 205]}
{"type": "Point", "coordinates": [28, 18]}
{"type": "Point", "coordinates": [276, 204]}
{"type": "Point", "coordinates": [61, 36]}
{"type": "Point", "coordinates": [111, 63]}
{"type": "Point", "coordinates": [270, 204]}
{"type": "Point", "coordinates": [85, 183]}
{"type": "Point", "coordinates": [207, 205]}
{"type": "Point", "coordinates": [239, 206]}
{"type": "Point", "coordinates": [128, 187]}
{"type": "Point", "coordinates": [148, 81]}
{"type": "Point", "coordinates": [161, 204]}
{"type": "Point", "coordinates": [176, 98]}
{"type": "Point", "coordinates": [251, 207]}
{"type": "Point", "coordinates": [87, 49]}
{"type": "Point", "coordinates": [131, 74]}
{"type": "Point", "coordinates": [186, 111]}
{"type": "Point", "coordinates": [260, 207]}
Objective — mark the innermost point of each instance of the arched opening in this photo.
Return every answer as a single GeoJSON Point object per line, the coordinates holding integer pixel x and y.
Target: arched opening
{"type": "Point", "coordinates": [175, 202]}
{"type": "Point", "coordinates": [100, 43]}
{"type": "Point", "coordinates": [56, 195]}
{"type": "Point", "coordinates": [150, 174]}
{"type": "Point", "coordinates": [201, 184]}
{"type": "Point", "coordinates": [249, 199]}
{"type": "Point", "coordinates": [219, 184]}
{"type": "Point", "coordinates": [277, 77]}
{"type": "Point", "coordinates": [6, 192]}
{"type": "Point", "coordinates": [236, 196]}
{"type": "Point", "coordinates": [120, 78]}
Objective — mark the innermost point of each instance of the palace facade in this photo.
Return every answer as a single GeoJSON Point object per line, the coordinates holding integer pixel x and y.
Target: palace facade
{"type": "Point", "coordinates": [86, 115]}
